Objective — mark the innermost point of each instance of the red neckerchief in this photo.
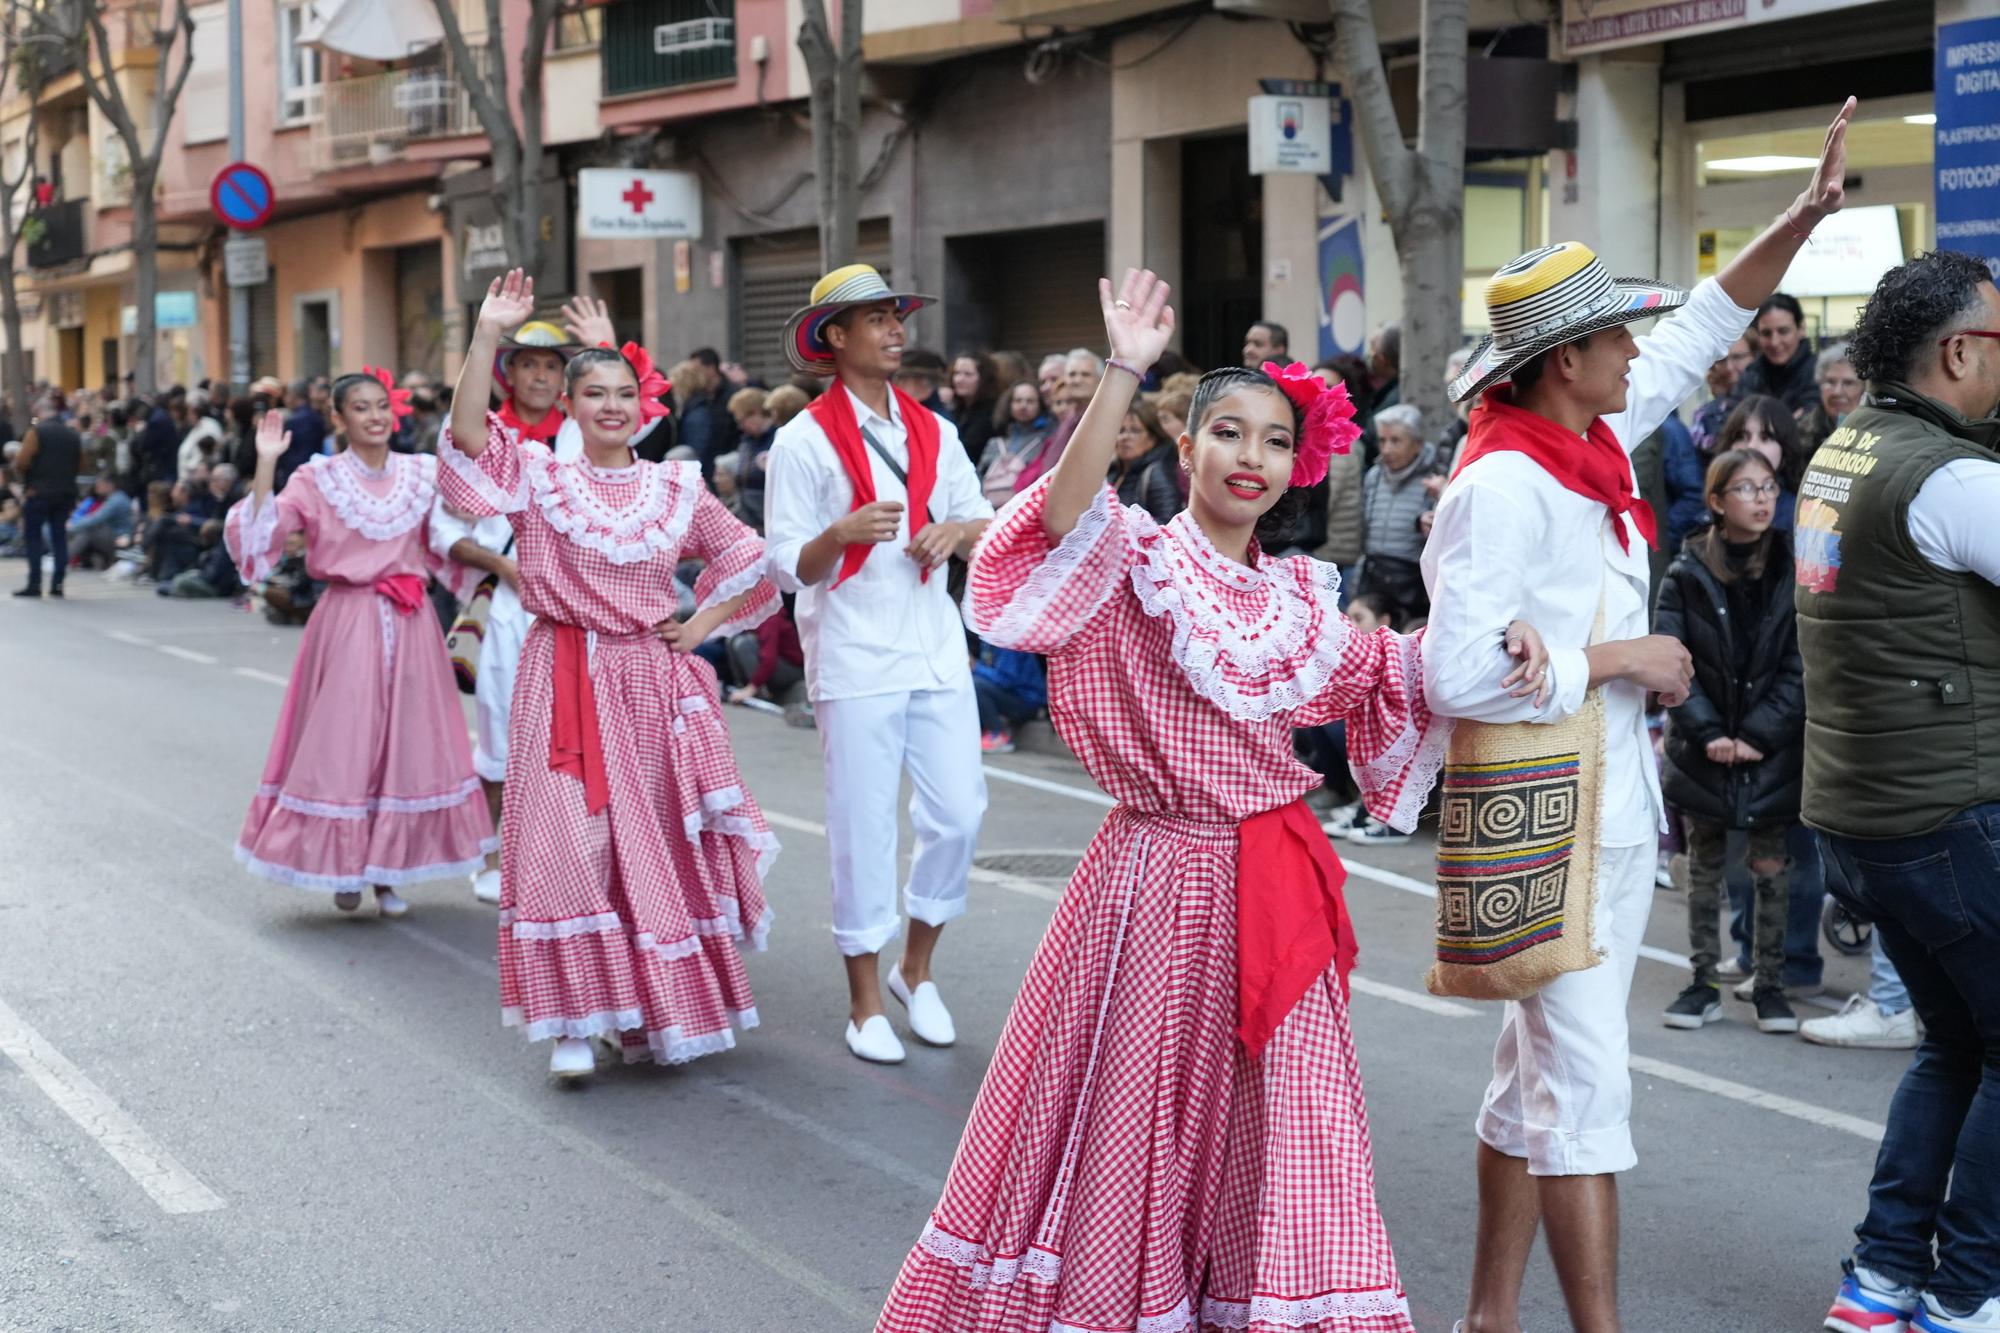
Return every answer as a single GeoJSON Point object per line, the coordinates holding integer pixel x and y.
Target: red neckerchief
{"type": "Point", "coordinates": [543, 431]}
{"type": "Point", "coordinates": [1291, 920]}
{"type": "Point", "coordinates": [836, 417]}
{"type": "Point", "coordinates": [1595, 466]}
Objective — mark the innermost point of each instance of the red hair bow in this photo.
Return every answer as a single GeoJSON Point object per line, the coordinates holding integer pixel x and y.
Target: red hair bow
{"type": "Point", "coordinates": [1327, 419]}
{"type": "Point", "coordinates": [653, 386]}
{"type": "Point", "coordinates": [399, 399]}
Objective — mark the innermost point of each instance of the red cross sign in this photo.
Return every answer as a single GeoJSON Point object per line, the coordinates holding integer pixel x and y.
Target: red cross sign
{"type": "Point", "coordinates": [638, 196]}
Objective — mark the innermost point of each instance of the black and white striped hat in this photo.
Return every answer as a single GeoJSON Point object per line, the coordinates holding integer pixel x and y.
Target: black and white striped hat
{"type": "Point", "coordinates": [1551, 296]}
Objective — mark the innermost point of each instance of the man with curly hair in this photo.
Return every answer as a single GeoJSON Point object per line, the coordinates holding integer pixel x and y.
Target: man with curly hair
{"type": "Point", "coordinates": [1899, 624]}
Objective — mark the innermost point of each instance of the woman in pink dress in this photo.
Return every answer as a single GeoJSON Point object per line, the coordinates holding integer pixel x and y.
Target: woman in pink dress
{"type": "Point", "coordinates": [632, 859]}
{"type": "Point", "coordinates": [1171, 1136]}
{"type": "Point", "coordinates": [369, 779]}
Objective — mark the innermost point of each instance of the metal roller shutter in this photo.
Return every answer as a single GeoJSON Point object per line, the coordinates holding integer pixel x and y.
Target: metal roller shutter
{"type": "Point", "coordinates": [1048, 302]}
{"type": "Point", "coordinates": [774, 275]}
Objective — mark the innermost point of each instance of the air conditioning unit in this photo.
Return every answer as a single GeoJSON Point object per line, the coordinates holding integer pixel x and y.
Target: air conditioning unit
{"type": "Point", "coordinates": [672, 39]}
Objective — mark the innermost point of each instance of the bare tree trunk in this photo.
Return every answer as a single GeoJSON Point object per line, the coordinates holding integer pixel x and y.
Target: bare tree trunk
{"type": "Point", "coordinates": [834, 81]}
{"type": "Point", "coordinates": [145, 278]}
{"type": "Point", "coordinates": [1422, 189]}
{"type": "Point", "coordinates": [516, 146]}
{"type": "Point", "coordinates": [16, 360]}
{"type": "Point", "coordinates": [14, 363]}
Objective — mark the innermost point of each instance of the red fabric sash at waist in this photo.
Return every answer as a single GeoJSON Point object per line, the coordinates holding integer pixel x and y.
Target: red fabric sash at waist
{"type": "Point", "coordinates": [405, 592]}
{"type": "Point", "coordinates": [575, 745]}
{"type": "Point", "coordinates": [1291, 919]}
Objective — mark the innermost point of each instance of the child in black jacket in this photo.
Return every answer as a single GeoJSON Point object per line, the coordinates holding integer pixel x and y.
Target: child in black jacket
{"type": "Point", "coordinates": [1735, 748]}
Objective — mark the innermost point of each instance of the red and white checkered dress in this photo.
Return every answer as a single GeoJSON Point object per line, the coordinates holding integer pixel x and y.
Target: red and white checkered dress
{"type": "Point", "coordinates": [1128, 1168]}
{"type": "Point", "coordinates": [627, 921]}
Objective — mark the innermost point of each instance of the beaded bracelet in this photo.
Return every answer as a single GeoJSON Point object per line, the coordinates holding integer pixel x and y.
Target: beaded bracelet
{"type": "Point", "coordinates": [1125, 366]}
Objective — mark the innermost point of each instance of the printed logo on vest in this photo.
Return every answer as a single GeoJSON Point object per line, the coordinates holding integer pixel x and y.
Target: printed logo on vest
{"type": "Point", "coordinates": [1816, 545]}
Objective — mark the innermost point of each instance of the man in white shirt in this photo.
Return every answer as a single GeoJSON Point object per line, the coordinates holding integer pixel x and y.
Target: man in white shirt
{"type": "Point", "coordinates": [867, 496]}
{"type": "Point", "coordinates": [1542, 524]}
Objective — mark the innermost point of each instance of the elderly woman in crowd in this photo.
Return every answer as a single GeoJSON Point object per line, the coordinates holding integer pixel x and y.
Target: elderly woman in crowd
{"type": "Point", "coordinates": [1394, 499]}
{"type": "Point", "coordinates": [1839, 394]}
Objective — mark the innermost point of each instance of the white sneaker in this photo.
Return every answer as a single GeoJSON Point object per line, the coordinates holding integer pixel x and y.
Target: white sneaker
{"type": "Point", "coordinates": [572, 1058]}
{"type": "Point", "coordinates": [1748, 988]}
{"type": "Point", "coordinates": [348, 901]}
{"type": "Point", "coordinates": [929, 1019]}
{"type": "Point", "coordinates": [875, 1041]}
{"type": "Point", "coordinates": [1933, 1319]}
{"type": "Point", "coordinates": [486, 886]}
{"type": "Point", "coordinates": [1861, 1025]}
{"type": "Point", "coordinates": [1341, 818]}
{"type": "Point", "coordinates": [390, 904]}
{"type": "Point", "coordinates": [1730, 969]}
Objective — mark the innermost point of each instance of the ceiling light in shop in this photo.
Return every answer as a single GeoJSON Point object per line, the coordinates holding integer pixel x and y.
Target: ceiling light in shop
{"type": "Point", "coordinates": [1764, 164]}
{"type": "Point", "coordinates": [1928, 118]}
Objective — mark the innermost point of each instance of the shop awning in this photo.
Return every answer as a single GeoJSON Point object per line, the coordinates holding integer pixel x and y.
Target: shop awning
{"type": "Point", "coordinates": [373, 29]}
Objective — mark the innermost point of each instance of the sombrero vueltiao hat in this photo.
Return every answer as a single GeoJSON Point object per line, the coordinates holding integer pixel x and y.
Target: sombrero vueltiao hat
{"type": "Point", "coordinates": [1549, 297]}
{"type": "Point", "coordinates": [842, 289]}
{"type": "Point", "coordinates": [537, 335]}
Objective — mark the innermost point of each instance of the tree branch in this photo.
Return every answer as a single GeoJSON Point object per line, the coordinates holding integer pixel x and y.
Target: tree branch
{"type": "Point", "coordinates": [181, 32]}
{"type": "Point", "coordinates": [1360, 54]}
{"type": "Point", "coordinates": [492, 114]}
{"type": "Point", "coordinates": [1441, 113]}
{"type": "Point", "coordinates": [103, 85]}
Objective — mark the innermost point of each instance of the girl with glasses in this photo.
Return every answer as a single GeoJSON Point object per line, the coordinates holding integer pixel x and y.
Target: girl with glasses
{"type": "Point", "coordinates": [1735, 745]}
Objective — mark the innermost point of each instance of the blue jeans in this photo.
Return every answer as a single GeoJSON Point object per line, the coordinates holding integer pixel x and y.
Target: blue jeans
{"type": "Point", "coordinates": [52, 512]}
{"type": "Point", "coordinates": [1803, 964]}
{"type": "Point", "coordinates": [1935, 901]}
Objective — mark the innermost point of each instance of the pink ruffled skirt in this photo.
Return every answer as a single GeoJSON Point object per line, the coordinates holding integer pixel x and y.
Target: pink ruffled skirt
{"type": "Point", "coordinates": [369, 779]}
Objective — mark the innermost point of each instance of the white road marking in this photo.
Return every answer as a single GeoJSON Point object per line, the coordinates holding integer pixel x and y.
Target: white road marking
{"type": "Point", "coordinates": [171, 1185]}
{"type": "Point", "coordinates": [252, 673]}
{"type": "Point", "coordinates": [1043, 784]}
{"type": "Point", "coordinates": [793, 822]}
{"type": "Point", "coordinates": [1430, 1004]}
{"type": "Point", "coordinates": [123, 637]}
{"type": "Point", "coordinates": [887, 1163]}
{"type": "Point", "coordinates": [1769, 1101]}
{"type": "Point", "coordinates": [186, 654]}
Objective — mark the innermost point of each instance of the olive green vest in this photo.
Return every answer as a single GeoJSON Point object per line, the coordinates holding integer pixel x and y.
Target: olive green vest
{"type": "Point", "coordinates": [1902, 659]}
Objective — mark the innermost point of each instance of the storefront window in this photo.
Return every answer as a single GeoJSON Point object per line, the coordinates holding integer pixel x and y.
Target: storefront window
{"type": "Point", "coordinates": [1745, 178]}
{"type": "Point", "coordinates": [1506, 214]}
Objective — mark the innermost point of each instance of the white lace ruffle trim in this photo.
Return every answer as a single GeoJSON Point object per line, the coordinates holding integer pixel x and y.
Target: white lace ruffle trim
{"type": "Point", "coordinates": [1418, 754]}
{"type": "Point", "coordinates": [257, 534]}
{"type": "Point", "coordinates": [475, 477]}
{"type": "Point", "coordinates": [654, 523]}
{"type": "Point", "coordinates": [390, 805]}
{"type": "Point", "coordinates": [1252, 674]}
{"type": "Point", "coordinates": [412, 487]}
{"type": "Point", "coordinates": [1023, 621]}
{"type": "Point", "coordinates": [390, 876]}
{"type": "Point", "coordinates": [714, 817]}
{"type": "Point", "coordinates": [668, 1046]}
{"type": "Point", "coordinates": [729, 925]}
{"type": "Point", "coordinates": [753, 612]}
{"type": "Point", "coordinates": [1045, 1266]}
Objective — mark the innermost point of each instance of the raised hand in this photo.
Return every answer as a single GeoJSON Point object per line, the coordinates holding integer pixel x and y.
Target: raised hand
{"type": "Point", "coordinates": [510, 300]}
{"type": "Point", "coordinates": [1138, 322]}
{"type": "Point", "coordinates": [1828, 190]}
{"type": "Point", "coordinates": [589, 321]}
{"type": "Point", "coordinates": [272, 437]}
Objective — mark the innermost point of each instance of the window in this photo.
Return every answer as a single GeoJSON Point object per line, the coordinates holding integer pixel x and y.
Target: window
{"type": "Point", "coordinates": [205, 100]}
{"type": "Point", "coordinates": [298, 68]}
{"type": "Point", "coordinates": [651, 44]}
{"type": "Point", "coordinates": [579, 29]}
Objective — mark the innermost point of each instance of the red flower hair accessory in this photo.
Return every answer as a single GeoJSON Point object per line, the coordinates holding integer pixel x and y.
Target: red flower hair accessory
{"type": "Point", "coordinates": [1326, 419]}
{"type": "Point", "coordinates": [399, 399]}
{"type": "Point", "coordinates": [653, 386]}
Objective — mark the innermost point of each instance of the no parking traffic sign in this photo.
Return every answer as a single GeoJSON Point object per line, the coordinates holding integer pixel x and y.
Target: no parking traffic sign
{"type": "Point", "coordinates": [242, 197]}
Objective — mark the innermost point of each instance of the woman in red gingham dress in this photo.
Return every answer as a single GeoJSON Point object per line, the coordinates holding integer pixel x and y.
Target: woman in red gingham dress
{"type": "Point", "coordinates": [632, 858]}
{"type": "Point", "coordinates": [1171, 1136]}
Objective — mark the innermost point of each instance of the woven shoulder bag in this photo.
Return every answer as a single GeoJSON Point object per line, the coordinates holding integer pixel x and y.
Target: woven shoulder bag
{"type": "Point", "coordinates": [1517, 852]}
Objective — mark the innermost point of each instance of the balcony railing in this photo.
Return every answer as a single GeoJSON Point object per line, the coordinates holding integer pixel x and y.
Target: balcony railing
{"type": "Point", "coordinates": [369, 120]}
{"type": "Point", "coordinates": [61, 239]}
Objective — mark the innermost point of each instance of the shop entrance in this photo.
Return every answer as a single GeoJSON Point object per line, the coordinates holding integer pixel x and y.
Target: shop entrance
{"type": "Point", "coordinates": [1222, 249]}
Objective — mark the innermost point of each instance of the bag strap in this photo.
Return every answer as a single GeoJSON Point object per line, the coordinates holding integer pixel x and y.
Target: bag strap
{"type": "Point", "coordinates": [889, 460]}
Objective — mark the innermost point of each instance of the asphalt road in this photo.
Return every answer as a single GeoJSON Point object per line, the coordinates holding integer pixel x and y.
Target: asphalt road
{"type": "Point", "coordinates": [225, 1106]}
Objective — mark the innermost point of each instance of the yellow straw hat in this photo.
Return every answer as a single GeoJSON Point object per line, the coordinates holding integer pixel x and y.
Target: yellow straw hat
{"type": "Point", "coordinates": [1549, 297]}
{"type": "Point", "coordinates": [842, 289]}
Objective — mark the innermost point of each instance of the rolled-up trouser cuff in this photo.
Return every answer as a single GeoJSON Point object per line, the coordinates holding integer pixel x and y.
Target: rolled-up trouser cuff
{"type": "Point", "coordinates": [1554, 1152]}
{"type": "Point", "coordinates": [934, 911]}
{"type": "Point", "coordinates": [854, 943]}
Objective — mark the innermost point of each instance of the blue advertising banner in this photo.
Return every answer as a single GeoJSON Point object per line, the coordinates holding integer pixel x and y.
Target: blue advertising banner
{"type": "Point", "coordinates": [1968, 138]}
{"type": "Point", "coordinates": [1343, 308]}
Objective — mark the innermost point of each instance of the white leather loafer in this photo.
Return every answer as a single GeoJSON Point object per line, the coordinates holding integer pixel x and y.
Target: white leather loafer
{"type": "Point", "coordinates": [875, 1041]}
{"type": "Point", "coordinates": [486, 886]}
{"type": "Point", "coordinates": [929, 1019]}
{"type": "Point", "coordinates": [572, 1059]}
